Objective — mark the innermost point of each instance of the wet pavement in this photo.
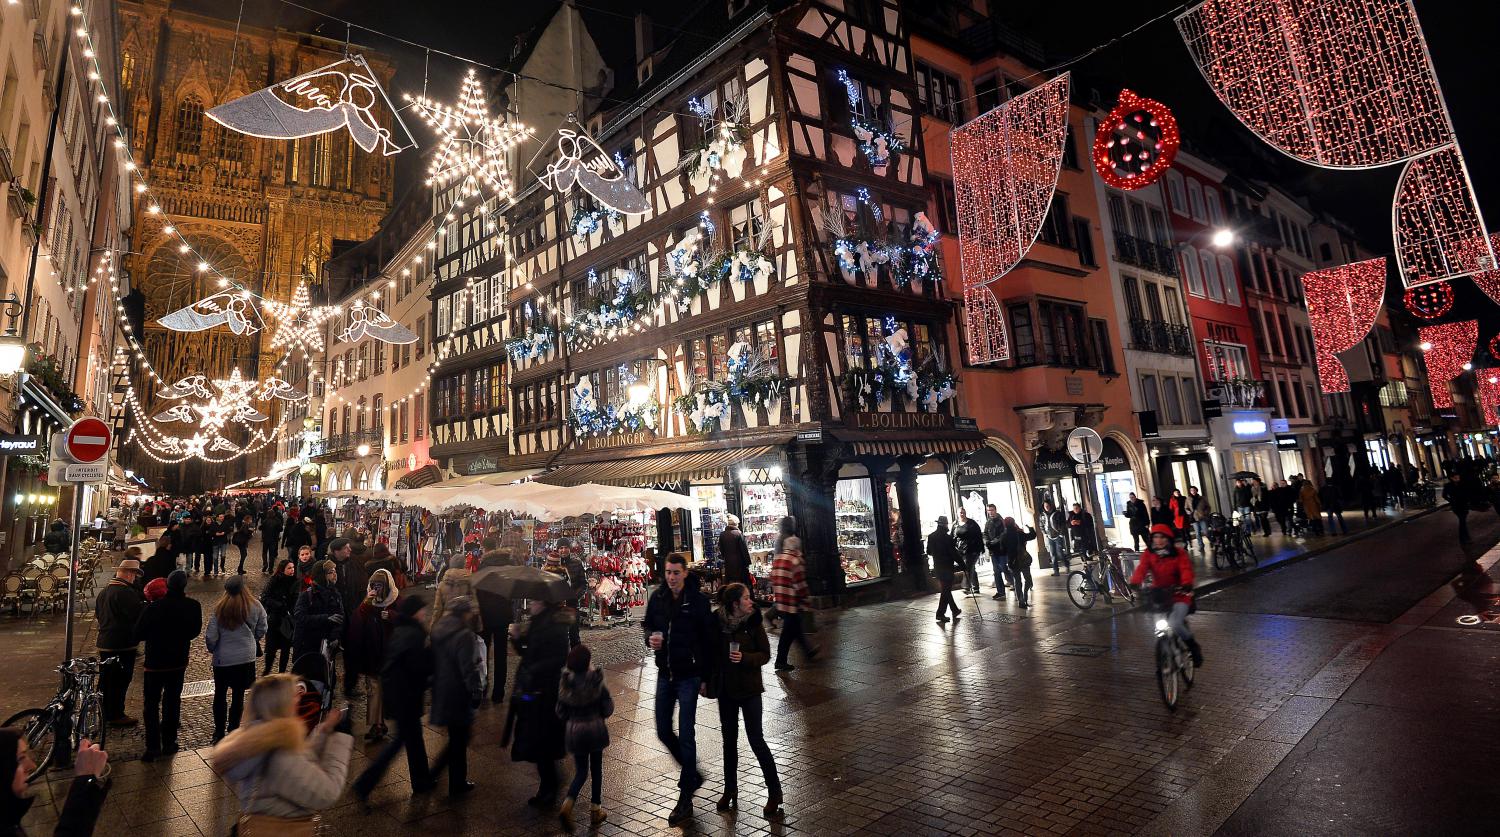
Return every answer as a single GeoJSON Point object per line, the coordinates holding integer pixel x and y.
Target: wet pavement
{"type": "Point", "coordinates": [1040, 721]}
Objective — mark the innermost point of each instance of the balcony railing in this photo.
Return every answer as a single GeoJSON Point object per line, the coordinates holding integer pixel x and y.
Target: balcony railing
{"type": "Point", "coordinates": [346, 445]}
{"type": "Point", "coordinates": [1239, 392]}
{"type": "Point", "coordinates": [1161, 337]}
{"type": "Point", "coordinates": [1145, 254]}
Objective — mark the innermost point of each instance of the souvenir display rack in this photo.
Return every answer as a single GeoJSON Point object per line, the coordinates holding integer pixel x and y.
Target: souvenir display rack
{"type": "Point", "coordinates": [763, 505]}
{"type": "Point", "coordinates": [858, 551]}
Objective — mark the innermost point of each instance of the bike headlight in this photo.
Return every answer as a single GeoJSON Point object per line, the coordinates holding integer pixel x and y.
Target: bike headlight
{"type": "Point", "coordinates": [1161, 624]}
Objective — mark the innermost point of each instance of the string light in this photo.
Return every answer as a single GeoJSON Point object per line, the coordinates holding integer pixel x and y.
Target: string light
{"type": "Point", "coordinates": [1342, 304]}
{"type": "Point", "coordinates": [1439, 232]}
{"type": "Point", "coordinates": [1334, 83]}
{"type": "Point", "coordinates": [1452, 346]}
{"type": "Point", "coordinates": [1489, 399]}
{"type": "Point", "coordinates": [1005, 168]}
{"type": "Point", "coordinates": [1489, 280]}
{"type": "Point", "coordinates": [1429, 301]}
{"type": "Point", "coordinates": [1136, 143]}
{"type": "Point", "coordinates": [300, 322]}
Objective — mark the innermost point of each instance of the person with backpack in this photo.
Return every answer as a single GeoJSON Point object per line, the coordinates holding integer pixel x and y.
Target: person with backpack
{"type": "Point", "coordinates": [457, 688]}
{"type": "Point", "coordinates": [583, 702]}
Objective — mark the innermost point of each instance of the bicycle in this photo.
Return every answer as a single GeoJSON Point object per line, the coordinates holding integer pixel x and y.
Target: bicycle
{"type": "Point", "coordinates": [76, 712]}
{"type": "Point", "coordinates": [1230, 543]}
{"type": "Point", "coordinates": [1174, 662]}
{"type": "Point", "coordinates": [1100, 572]}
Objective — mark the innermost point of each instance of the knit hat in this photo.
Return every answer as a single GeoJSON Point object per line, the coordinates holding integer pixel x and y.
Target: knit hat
{"type": "Point", "coordinates": [409, 605]}
{"type": "Point", "coordinates": [177, 581]}
{"type": "Point", "coordinates": [234, 584]}
{"type": "Point", "coordinates": [327, 567]}
{"type": "Point", "coordinates": [579, 658]}
{"type": "Point", "coordinates": [156, 589]}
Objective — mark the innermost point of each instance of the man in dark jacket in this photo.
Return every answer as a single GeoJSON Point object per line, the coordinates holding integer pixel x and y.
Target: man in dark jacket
{"type": "Point", "coordinates": [58, 538]}
{"type": "Point", "coordinates": [1460, 496]}
{"type": "Point", "coordinates": [187, 541]}
{"type": "Point", "coordinates": [319, 614]}
{"type": "Point", "coordinates": [578, 581]}
{"type": "Point", "coordinates": [495, 613]}
{"type": "Point", "coordinates": [403, 682]}
{"type": "Point", "coordinates": [1140, 520]}
{"type": "Point", "coordinates": [117, 610]}
{"type": "Point", "coordinates": [944, 563]}
{"type": "Point", "coordinates": [994, 529]}
{"type": "Point", "coordinates": [970, 541]}
{"type": "Point", "coordinates": [734, 553]}
{"type": "Point", "coordinates": [1055, 529]}
{"type": "Point", "coordinates": [1081, 530]}
{"type": "Point", "coordinates": [352, 583]}
{"type": "Point", "coordinates": [271, 524]}
{"type": "Point", "coordinates": [1282, 498]}
{"type": "Point", "coordinates": [168, 627]}
{"type": "Point", "coordinates": [681, 629]}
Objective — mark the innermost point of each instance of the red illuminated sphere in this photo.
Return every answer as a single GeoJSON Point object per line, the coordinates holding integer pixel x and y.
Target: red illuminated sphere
{"type": "Point", "coordinates": [1136, 142]}
{"type": "Point", "coordinates": [1430, 301]}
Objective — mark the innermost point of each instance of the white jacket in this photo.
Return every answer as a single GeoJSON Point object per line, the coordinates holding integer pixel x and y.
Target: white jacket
{"type": "Point", "coordinates": [276, 769]}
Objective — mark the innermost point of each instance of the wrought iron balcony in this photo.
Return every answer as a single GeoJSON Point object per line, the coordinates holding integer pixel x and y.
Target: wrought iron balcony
{"type": "Point", "coordinates": [1145, 254]}
{"type": "Point", "coordinates": [346, 445]}
{"type": "Point", "coordinates": [1161, 337]}
{"type": "Point", "coordinates": [1239, 392]}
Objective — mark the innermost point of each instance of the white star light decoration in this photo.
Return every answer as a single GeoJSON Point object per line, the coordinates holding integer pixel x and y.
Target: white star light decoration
{"type": "Point", "coordinates": [472, 144]}
{"type": "Point", "coordinates": [299, 322]}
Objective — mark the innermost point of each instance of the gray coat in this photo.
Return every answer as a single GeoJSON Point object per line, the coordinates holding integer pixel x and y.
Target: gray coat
{"type": "Point", "coordinates": [583, 701]}
{"type": "Point", "coordinates": [236, 647]}
{"type": "Point", "coordinates": [458, 672]}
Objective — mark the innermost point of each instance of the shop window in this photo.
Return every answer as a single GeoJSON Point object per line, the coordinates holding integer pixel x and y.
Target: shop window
{"type": "Point", "coordinates": [718, 356]}
{"type": "Point", "coordinates": [699, 352]}
{"type": "Point", "coordinates": [762, 506]}
{"type": "Point", "coordinates": [765, 339]}
{"type": "Point", "coordinates": [746, 221]}
{"type": "Point", "coordinates": [854, 342]}
{"type": "Point", "coordinates": [854, 516]}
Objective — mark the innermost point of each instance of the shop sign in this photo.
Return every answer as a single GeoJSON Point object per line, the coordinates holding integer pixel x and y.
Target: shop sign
{"type": "Point", "coordinates": [985, 466]}
{"type": "Point", "coordinates": [1074, 384]}
{"type": "Point", "coordinates": [1212, 408]}
{"type": "Point", "coordinates": [964, 423]}
{"type": "Point", "coordinates": [810, 437]}
{"type": "Point", "coordinates": [903, 421]}
{"type": "Point", "coordinates": [618, 440]}
{"type": "Point", "coordinates": [1286, 442]}
{"type": "Point", "coordinates": [1113, 458]}
{"type": "Point", "coordinates": [1280, 425]}
{"type": "Point", "coordinates": [14, 445]}
{"type": "Point", "coordinates": [481, 464]}
{"type": "Point", "coordinates": [1052, 465]}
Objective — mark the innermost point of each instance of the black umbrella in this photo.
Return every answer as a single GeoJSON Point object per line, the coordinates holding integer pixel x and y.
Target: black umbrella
{"type": "Point", "coordinates": [523, 583]}
{"type": "Point", "coordinates": [1245, 475]}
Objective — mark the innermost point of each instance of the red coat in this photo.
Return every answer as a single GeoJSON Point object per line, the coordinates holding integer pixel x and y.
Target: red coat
{"type": "Point", "coordinates": [1175, 570]}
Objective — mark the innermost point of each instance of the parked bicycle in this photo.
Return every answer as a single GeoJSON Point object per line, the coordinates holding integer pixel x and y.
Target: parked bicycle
{"type": "Point", "coordinates": [1101, 573]}
{"type": "Point", "coordinates": [1231, 543]}
{"type": "Point", "coordinates": [1174, 661]}
{"type": "Point", "coordinates": [75, 713]}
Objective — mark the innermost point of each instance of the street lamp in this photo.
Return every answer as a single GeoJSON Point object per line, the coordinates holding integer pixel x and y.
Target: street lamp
{"type": "Point", "coordinates": [12, 347]}
{"type": "Point", "coordinates": [1425, 345]}
{"type": "Point", "coordinates": [363, 450]}
{"type": "Point", "coordinates": [1223, 237]}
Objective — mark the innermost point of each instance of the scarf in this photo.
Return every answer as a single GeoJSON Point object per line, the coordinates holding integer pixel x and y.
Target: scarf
{"type": "Point", "coordinates": [733, 623]}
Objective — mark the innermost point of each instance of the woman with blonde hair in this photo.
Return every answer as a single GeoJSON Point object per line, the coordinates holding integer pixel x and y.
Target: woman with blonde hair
{"type": "Point", "coordinates": [235, 629]}
{"type": "Point", "coordinates": [282, 776]}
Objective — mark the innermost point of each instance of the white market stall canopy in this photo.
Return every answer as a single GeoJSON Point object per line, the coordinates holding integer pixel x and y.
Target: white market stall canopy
{"type": "Point", "coordinates": [535, 500]}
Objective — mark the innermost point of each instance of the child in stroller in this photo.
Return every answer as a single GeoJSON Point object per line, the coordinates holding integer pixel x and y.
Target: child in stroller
{"type": "Point", "coordinates": [317, 681]}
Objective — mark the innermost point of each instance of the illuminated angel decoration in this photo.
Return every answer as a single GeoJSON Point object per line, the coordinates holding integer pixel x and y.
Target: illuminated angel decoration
{"type": "Point", "coordinates": [582, 162]}
{"type": "Point", "coordinates": [369, 321]}
{"type": "Point", "coordinates": [179, 412]}
{"type": "Point", "coordinates": [343, 94]}
{"type": "Point", "coordinates": [275, 388]}
{"type": "Point", "coordinates": [193, 386]}
{"type": "Point", "coordinates": [235, 309]}
{"type": "Point", "coordinates": [472, 145]}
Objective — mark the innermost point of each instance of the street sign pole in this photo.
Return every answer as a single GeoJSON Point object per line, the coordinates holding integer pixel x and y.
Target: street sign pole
{"type": "Point", "coordinates": [72, 573]}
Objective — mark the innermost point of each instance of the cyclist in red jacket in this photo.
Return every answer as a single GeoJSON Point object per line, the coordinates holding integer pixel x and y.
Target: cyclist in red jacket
{"type": "Point", "coordinates": [1171, 572]}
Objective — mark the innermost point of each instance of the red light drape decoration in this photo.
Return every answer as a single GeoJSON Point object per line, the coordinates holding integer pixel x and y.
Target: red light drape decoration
{"type": "Point", "coordinates": [1489, 280]}
{"type": "Point", "coordinates": [1489, 398]}
{"type": "Point", "coordinates": [1439, 231]}
{"type": "Point", "coordinates": [1342, 303]}
{"type": "Point", "coordinates": [1452, 347]}
{"type": "Point", "coordinates": [1429, 301]}
{"type": "Point", "coordinates": [1136, 143]}
{"type": "Point", "coordinates": [1342, 84]}
{"type": "Point", "coordinates": [1005, 167]}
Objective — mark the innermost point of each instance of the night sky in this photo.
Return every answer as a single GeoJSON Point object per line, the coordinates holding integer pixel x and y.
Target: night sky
{"type": "Point", "coordinates": [1153, 62]}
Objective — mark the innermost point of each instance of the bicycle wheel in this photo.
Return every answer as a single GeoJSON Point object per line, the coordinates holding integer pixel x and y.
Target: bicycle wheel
{"type": "Point", "coordinates": [91, 720]}
{"type": "Point", "coordinates": [1123, 588]}
{"type": "Point", "coordinates": [1166, 672]}
{"type": "Point", "coordinates": [39, 731]}
{"type": "Point", "coordinates": [1185, 666]}
{"type": "Point", "coordinates": [1247, 546]}
{"type": "Point", "coordinates": [1219, 556]}
{"type": "Point", "coordinates": [1081, 589]}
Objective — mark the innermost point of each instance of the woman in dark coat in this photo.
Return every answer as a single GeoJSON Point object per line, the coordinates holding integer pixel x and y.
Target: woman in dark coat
{"type": "Point", "coordinates": [457, 688]}
{"type": "Point", "coordinates": [583, 702]}
{"type": "Point", "coordinates": [743, 651]}
{"type": "Point", "coordinates": [280, 598]}
{"type": "Point", "coordinates": [539, 733]}
{"type": "Point", "coordinates": [369, 631]}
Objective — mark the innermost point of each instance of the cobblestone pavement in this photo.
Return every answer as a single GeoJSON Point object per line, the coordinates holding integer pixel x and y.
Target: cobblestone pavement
{"type": "Point", "coordinates": [1040, 721]}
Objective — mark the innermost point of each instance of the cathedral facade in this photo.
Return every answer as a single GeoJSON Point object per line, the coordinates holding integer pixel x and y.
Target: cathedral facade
{"type": "Point", "coordinates": [264, 212]}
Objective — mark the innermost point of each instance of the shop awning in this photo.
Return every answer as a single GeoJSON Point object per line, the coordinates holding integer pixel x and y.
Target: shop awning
{"type": "Point", "coordinates": [919, 447]}
{"type": "Point", "coordinates": [425, 475]}
{"type": "Point", "coordinates": [661, 468]}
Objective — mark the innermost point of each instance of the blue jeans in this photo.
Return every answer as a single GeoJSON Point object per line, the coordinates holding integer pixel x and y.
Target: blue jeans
{"type": "Point", "coordinates": [586, 765]}
{"type": "Point", "coordinates": [683, 745]}
{"type": "Point", "coordinates": [1059, 553]}
{"type": "Point", "coordinates": [1177, 618]}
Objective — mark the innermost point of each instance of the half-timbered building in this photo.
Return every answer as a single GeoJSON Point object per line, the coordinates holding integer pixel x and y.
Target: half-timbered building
{"type": "Point", "coordinates": [769, 334]}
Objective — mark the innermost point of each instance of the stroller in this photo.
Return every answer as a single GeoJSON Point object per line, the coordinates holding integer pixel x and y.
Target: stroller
{"type": "Point", "coordinates": [317, 683]}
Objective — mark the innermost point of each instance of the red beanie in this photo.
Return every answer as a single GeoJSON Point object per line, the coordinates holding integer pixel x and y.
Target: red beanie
{"type": "Point", "coordinates": [156, 589]}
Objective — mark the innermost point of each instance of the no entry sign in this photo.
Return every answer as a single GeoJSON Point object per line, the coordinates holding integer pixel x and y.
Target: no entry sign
{"type": "Point", "coordinates": [87, 440]}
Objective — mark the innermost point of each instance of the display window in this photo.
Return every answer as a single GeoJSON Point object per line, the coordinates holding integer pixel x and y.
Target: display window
{"type": "Point", "coordinates": [1291, 462]}
{"type": "Point", "coordinates": [710, 523]}
{"type": "Point", "coordinates": [934, 499]}
{"type": "Point", "coordinates": [854, 515]}
{"type": "Point", "coordinates": [762, 506]}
